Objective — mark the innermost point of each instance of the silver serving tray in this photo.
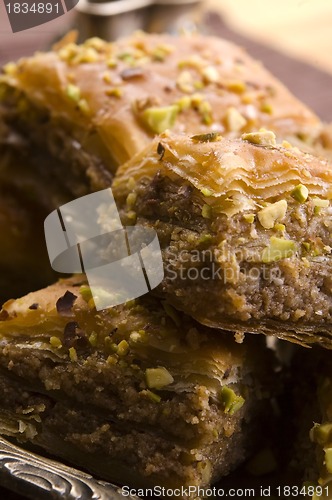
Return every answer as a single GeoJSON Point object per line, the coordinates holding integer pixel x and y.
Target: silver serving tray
{"type": "Point", "coordinates": [37, 477]}
{"type": "Point", "coordinates": [112, 19]}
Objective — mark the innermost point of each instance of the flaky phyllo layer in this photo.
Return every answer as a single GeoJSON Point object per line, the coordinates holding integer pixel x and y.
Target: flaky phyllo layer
{"type": "Point", "coordinates": [151, 396]}
{"type": "Point", "coordinates": [244, 227]}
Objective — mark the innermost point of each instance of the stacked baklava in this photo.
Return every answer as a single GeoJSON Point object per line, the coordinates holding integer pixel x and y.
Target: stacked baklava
{"type": "Point", "coordinates": [201, 144]}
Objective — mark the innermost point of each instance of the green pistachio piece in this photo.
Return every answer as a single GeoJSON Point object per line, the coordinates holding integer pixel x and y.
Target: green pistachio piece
{"type": "Point", "coordinates": [86, 293]}
{"type": "Point", "coordinates": [262, 137]}
{"type": "Point", "coordinates": [249, 218]}
{"type": "Point", "coordinates": [231, 402]}
{"type": "Point", "coordinates": [300, 193]}
{"type": "Point", "coordinates": [93, 339]}
{"type": "Point", "coordinates": [206, 192]}
{"type": "Point", "coordinates": [83, 106]}
{"type": "Point", "coordinates": [55, 342]}
{"type": "Point", "coordinates": [267, 108]}
{"type": "Point", "coordinates": [237, 86]}
{"type": "Point", "coordinates": [157, 378]}
{"type": "Point", "coordinates": [151, 395]}
{"type": "Point", "coordinates": [73, 92]}
{"type": "Point", "coordinates": [280, 227]}
{"type": "Point", "coordinates": [321, 433]}
{"type": "Point", "coordinates": [306, 246]}
{"type": "Point", "coordinates": [160, 119]}
{"type": "Point", "coordinates": [278, 249]}
{"type": "Point", "coordinates": [328, 459]}
{"type": "Point", "coordinates": [209, 137]}
{"type": "Point", "coordinates": [272, 213]}
{"type": "Point", "coordinates": [318, 202]}
{"type": "Point", "coordinates": [210, 74]}
{"type": "Point", "coordinates": [73, 354]}
{"type": "Point", "coordinates": [206, 211]}
{"type": "Point", "coordinates": [234, 120]}
{"type": "Point", "coordinates": [123, 348]}
{"type": "Point", "coordinates": [184, 103]}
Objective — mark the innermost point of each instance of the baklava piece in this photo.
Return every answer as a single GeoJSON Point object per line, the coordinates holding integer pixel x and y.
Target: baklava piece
{"type": "Point", "coordinates": [138, 394]}
{"type": "Point", "coordinates": [70, 116]}
{"type": "Point", "coordinates": [245, 229]}
{"type": "Point", "coordinates": [91, 107]}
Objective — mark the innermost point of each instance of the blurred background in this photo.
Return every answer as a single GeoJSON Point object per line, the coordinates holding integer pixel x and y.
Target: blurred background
{"type": "Point", "coordinates": [293, 38]}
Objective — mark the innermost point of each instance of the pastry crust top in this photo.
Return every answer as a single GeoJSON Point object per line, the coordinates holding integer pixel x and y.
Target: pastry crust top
{"type": "Point", "coordinates": [192, 83]}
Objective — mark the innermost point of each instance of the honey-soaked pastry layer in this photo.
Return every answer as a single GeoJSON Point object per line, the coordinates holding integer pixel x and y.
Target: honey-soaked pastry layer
{"type": "Point", "coordinates": [245, 230]}
{"type": "Point", "coordinates": [109, 99]}
{"type": "Point", "coordinates": [138, 393]}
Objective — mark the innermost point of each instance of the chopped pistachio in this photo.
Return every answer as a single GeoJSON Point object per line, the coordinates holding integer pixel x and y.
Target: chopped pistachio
{"type": "Point", "coordinates": [237, 86]}
{"type": "Point", "coordinates": [286, 145]}
{"type": "Point", "coordinates": [160, 119]}
{"type": "Point", "coordinates": [194, 61]}
{"type": "Point", "coordinates": [132, 215]}
{"type": "Point", "coordinates": [156, 378]}
{"type": "Point", "coordinates": [85, 292]}
{"type": "Point", "coordinates": [206, 211]}
{"type": "Point", "coordinates": [198, 85]}
{"type": "Point", "coordinates": [196, 100]}
{"type": "Point", "coordinates": [247, 98]}
{"type": "Point", "coordinates": [96, 43]}
{"type": "Point", "coordinates": [127, 57]}
{"type": "Point", "coordinates": [93, 339]}
{"type": "Point", "coordinates": [55, 342]}
{"type": "Point", "coordinates": [278, 249]}
{"type": "Point", "coordinates": [206, 192]}
{"type": "Point", "coordinates": [131, 200]}
{"type": "Point", "coordinates": [300, 193]}
{"type": "Point", "coordinates": [9, 68]}
{"type": "Point", "coordinates": [321, 433]}
{"type": "Point", "coordinates": [328, 459]}
{"type": "Point", "coordinates": [262, 137]}
{"type": "Point", "coordinates": [185, 82]}
{"type": "Point", "coordinates": [272, 213]}
{"type": "Point", "coordinates": [83, 106]}
{"type": "Point", "coordinates": [115, 92]}
{"type": "Point", "coordinates": [234, 120]}
{"type": "Point", "coordinates": [205, 110]}
{"type": "Point", "coordinates": [320, 203]}
{"type": "Point", "coordinates": [131, 184]}
{"type": "Point", "coordinates": [73, 354]}
{"type": "Point", "coordinates": [249, 218]}
{"type": "Point", "coordinates": [205, 238]}
{"type": "Point", "coordinates": [161, 51]}
{"type": "Point", "coordinates": [280, 227]}
{"type": "Point", "coordinates": [209, 137]}
{"type": "Point", "coordinates": [184, 103]}
{"type": "Point", "coordinates": [87, 55]}
{"type": "Point", "coordinates": [68, 52]}
{"type": "Point", "coordinates": [123, 348]}
{"type": "Point", "coordinates": [151, 395]}
{"type": "Point", "coordinates": [112, 359]}
{"type": "Point", "coordinates": [230, 401]}
{"type": "Point", "coordinates": [266, 108]}
{"type": "Point", "coordinates": [73, 92]}
{"type": "Point", "coordinates": [210, 74]}
{"type": "Point", "coordinates": [112, 63]}
{"type": "Point", "coordinates": [107, 77]}
{"type": "Point", "coordinates": [306, 246]}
